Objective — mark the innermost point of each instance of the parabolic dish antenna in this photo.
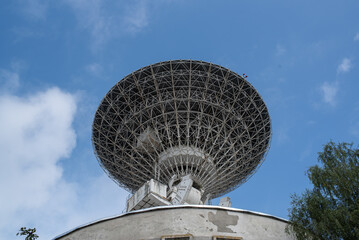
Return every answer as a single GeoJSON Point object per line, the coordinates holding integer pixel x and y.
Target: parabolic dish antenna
{"type": "Point", "coordinates": [178, 118]}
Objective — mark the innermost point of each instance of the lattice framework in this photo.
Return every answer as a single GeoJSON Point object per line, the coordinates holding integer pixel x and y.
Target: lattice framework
{"type": "Point", "coordinates": [201, 118]}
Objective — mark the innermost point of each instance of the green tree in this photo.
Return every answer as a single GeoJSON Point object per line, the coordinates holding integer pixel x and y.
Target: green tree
{"type": "Point", "coordinates": [331, 209]}
{"type": "Point", "coordinates": [28, 232]}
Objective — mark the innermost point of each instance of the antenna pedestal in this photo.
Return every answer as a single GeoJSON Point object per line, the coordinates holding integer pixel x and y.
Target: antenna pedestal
{"type": "Point", "coordinates": [153, 194]}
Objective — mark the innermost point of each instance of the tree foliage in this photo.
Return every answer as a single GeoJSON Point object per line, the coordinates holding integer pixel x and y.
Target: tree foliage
{"type": "Point", "coordinates": [28, 232]}
{"type": "Point", "coordinates": [331, 209]}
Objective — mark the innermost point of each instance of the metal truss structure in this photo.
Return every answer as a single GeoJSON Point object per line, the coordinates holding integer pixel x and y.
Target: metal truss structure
{"type": "Point", "coordinates": [181, 117]}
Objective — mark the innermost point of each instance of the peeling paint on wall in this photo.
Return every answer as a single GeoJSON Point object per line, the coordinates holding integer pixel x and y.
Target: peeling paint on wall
{"type": "Point", "coordinates": [222, 219]}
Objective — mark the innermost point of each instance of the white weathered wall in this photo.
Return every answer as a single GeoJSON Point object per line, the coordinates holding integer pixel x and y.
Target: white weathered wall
{"type": "Point", "coordinates": [202, 222]}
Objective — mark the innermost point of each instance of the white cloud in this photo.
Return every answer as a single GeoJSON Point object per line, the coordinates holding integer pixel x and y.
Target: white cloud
{"type": "Point", "coordinates": [92, 17]}
{"type": "Point", "coordinates": [105, 23]}
{"type": "Point", "coordinates": [94, 69]}
{"type": "Point", "coordinates": [9, 81]}
{"type": "Point", "coordinates": [103, 20]}
{"type": "Point", "coordinates": [329, 92]}
{"type": "Point", "coordinates": [35, 134]}
{"type": "Point", "coordinates": [136, 17]}
{"type": "Point", "coordinates": [344, 66]}
{"type": "Point", "coordinates": [356, 37]}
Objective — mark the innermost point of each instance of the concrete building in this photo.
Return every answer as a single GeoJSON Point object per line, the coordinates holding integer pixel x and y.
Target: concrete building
{"type": "Point", "coordinates": [184, 222]}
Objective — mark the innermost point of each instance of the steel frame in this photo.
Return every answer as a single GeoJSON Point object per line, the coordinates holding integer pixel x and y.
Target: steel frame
{"type": "Point", "coordinates": [182, 104]}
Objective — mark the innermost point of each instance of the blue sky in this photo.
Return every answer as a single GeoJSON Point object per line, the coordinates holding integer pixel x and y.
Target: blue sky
{"type": "Point", "coordinates": [59, 58]}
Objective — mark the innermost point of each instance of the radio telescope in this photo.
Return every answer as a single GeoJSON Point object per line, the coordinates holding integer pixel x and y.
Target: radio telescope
{"type": "Point", "coordinates": [177, 134]}
{"type": "Point", "coordinates": [184, 123]}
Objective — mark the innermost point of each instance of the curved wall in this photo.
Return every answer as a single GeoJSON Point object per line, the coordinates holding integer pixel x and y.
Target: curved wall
{"type": "Point", "coordinates": [195, 222]}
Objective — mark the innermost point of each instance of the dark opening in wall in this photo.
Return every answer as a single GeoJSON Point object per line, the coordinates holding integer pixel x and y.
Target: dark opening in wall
{"type": "Point", "coordinates": [226, 238]}
{"type": "Point", "coordinates": [177, 237]}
